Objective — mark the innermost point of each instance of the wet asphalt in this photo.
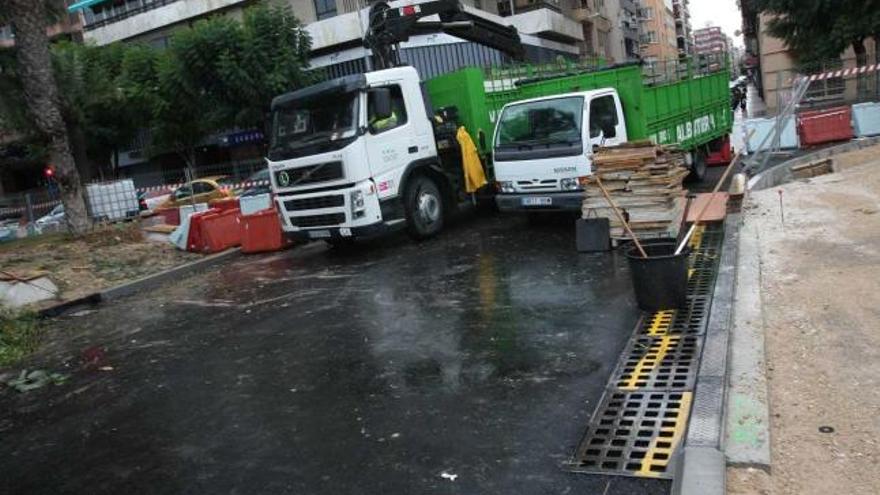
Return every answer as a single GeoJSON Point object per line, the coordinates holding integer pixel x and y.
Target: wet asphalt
{"type": "Point", "coordinates": [468, 364]}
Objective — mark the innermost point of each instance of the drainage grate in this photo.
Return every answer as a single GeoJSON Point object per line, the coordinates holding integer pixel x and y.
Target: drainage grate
{"type": "Point", "coordinates": [635, 433]}
{"type": "Point", "coordinates": [666, 362]}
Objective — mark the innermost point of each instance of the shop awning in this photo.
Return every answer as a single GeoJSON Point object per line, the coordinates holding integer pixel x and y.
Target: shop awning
{"type": "Point", "coordinates": [83, 4]}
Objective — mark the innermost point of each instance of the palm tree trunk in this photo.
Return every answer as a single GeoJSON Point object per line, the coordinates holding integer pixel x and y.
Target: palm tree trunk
{"type": "Point", "coordinates": [41, 96]}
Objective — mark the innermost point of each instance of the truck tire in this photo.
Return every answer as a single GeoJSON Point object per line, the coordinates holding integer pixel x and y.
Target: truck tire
{"type": "Point", "coordinates": [423, 204]}
{"type": "Point", "coordinates": [699, 166]}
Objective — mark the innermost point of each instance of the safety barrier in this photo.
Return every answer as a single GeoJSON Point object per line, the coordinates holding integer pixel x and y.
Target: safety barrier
{"type": "Point", "coordinates": [866, 119]}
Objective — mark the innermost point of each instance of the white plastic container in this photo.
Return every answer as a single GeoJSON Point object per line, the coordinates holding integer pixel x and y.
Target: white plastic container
{"type": "Point", "coordinates": [866, 119]}
{"type": "Point", "coordinates": [252, 204]}
{"type": "Point", "coordinates": [113, 201]}
{"type": "Point", "coordinates": [764, 128]}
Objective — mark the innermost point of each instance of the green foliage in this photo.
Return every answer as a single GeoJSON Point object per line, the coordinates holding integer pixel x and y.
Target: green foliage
{"type": "Point", "coordinates": [19, 335]}
{"type": "Point", "coordinates": [820, 30]}
{"type": "Point", "coordinates": [218, 75]}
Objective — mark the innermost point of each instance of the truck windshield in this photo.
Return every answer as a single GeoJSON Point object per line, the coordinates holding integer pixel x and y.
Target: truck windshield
{"type": "Point", "coordinates": [314, 125]}
{"type": "Point", "coordinates": [545, 122]}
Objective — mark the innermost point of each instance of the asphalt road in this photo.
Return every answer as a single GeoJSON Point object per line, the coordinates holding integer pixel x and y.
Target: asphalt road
{"type": "Point", "coordinates": [468, 364]}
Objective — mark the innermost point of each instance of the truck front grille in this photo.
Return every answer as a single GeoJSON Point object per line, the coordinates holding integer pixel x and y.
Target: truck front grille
{"type": "Point", "coordinates": [334, 201]}
{"type": "Point", "coordinates": [318, 220]}
{"type": "Point", "coordinates": [322, 172]}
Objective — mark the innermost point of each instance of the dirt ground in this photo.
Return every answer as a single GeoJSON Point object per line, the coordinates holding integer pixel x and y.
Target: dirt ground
{"type": "Point", "coordinates": [107, 257]}
{"type": "Point", "coordinates": [821, 300]}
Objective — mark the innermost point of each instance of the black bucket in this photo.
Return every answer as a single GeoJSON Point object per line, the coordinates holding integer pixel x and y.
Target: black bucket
{"type": "Point", "coordinates": [661, 279]}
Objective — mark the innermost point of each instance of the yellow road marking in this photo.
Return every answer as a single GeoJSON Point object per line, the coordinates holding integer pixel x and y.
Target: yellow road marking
{"type": "Point", "coordinates": [660, 322]}
{"type": "Point", "coordinates": [665, 453]}
{"type": "Point", "coordinates": [649, 361]}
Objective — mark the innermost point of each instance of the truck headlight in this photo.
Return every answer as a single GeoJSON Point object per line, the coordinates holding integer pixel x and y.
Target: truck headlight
{"type": "Point", "coordinates": [505, 187]}
{"type": "Point", "coordinates": [358, 206]}
{"type": "Point", "coordinates": [569, 184]}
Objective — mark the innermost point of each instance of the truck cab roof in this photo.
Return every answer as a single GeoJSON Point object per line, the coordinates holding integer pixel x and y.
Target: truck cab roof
{"type": "Point", "coordinates": [583, 94]}
{"type": "Point", "coordinates": [345, 84]}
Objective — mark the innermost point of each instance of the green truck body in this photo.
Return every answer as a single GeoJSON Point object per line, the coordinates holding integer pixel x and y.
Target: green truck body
{"type": "Point", "coordinates": [690, 112]}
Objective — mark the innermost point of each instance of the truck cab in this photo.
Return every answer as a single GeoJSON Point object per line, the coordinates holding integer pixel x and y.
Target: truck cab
{"type": "Point", "coordinates": [341, 152]}
{"type": "Point", "coordinates": [542, 147]}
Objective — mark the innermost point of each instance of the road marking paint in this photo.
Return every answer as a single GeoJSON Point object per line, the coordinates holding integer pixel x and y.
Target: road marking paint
{"type": "Point", "coordinates": [660, 456]}
{"type": "Point", "coordinates": [649, 361]}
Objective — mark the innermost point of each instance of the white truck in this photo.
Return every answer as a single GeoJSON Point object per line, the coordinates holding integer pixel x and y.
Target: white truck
{"type": "Point", "coordinates": [364, 154]}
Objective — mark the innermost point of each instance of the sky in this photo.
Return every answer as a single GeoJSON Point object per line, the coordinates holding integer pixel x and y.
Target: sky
{"type": "Point", "coordinates": [723, 13]}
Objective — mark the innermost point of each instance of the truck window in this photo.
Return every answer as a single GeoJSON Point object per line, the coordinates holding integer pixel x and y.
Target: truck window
{"type": "Point", "coordinates": [602, 110]}
{"type": "Point", "coordinates": [398, 112]}
{"type": "Point", "coordinates": [554, 121]}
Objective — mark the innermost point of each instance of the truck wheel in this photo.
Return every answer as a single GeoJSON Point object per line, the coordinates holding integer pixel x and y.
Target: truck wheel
{"type": "Point", "coordinates": [699, 166]}
{"type": "Point", "coordinates": [424, 208]}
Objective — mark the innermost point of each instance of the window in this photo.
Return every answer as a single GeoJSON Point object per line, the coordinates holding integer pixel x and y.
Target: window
{"type": "Point", "coordinates": [648, 13]}
{"type": "Point", "coordinates": [202, 187]}
{"type": "Point", "coordinates": [649, 37]}
{"type": "Point", "coordinates": [325, 9]}
{"type": "Point", "coordinates": [603, 113]}
{"type": "Point", "coordinates": [543, 122]}
{"type": "Point", "coordinates": [398, 112]}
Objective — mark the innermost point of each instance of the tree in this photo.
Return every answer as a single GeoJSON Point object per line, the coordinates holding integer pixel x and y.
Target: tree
{"type": "Point", "coordinates": [819, 30]}
{"type": "Point", "coordinates": [40, 92]}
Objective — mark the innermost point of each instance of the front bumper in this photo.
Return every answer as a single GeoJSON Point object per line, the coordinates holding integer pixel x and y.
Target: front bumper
{"type": "Point", "coordinates": [559, 201]}
{"type": "Point", "coordinates": [340, 233]}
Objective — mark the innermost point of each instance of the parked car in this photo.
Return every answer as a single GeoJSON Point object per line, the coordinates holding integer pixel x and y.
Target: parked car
{"type": "Point", "coordinates": [149, 201]}
{"type": "Point", "coordinates": [261, 176]}
{"type": "Point", "coordinates": [53, 218]}
{"type": "Point", "coordinates": [202, 191]}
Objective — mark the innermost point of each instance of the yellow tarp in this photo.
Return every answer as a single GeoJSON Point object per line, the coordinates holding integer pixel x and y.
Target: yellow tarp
{"type": "Point", "coordinates": [474, 176]}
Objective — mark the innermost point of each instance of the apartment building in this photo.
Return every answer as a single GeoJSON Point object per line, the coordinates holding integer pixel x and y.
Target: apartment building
{"type": "Point", "coordinates": [659, 41]}
{"type": "Point", "coordinates": [772, 67]}
{"type": "Point", "coordinates": [711, 40]}
{"type": "Point", "coordinates": [624, 35]}
{"type": "Point", "coordinates": [681, 10]}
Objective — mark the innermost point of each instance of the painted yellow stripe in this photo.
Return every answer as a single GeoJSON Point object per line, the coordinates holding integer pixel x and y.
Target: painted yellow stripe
{"type": "Point", "coordinates": [649, 361]}
{"type": "Point", "coordinates": [660, 322]}
{"type": "Point", "coordinates": [677, 431]}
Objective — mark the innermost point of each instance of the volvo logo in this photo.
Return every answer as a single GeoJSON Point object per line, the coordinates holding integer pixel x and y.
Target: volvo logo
{"type": "Point", "coordinates": [283, 178]}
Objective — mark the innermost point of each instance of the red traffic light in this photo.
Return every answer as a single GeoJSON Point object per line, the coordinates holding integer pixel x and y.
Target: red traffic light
{"type": "Point", "coordinates": [50, 172]}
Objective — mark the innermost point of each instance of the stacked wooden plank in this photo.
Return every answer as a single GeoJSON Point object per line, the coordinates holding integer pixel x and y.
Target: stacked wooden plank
{"type": "Point", "coordinates": [645, 181]}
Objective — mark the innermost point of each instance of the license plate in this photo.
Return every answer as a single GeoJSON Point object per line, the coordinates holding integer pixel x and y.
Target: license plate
{"type": "Point", "coordinates": [540, 201]}
{"type": "Point", "coordinates": [319, 234]}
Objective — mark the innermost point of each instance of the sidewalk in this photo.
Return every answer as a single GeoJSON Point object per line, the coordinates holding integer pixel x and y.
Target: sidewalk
{"type": "Point", "coordinates": [819, 273]}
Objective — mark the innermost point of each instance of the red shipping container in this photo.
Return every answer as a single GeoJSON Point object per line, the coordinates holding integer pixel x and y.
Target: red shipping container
{"type": "Point", "coordinates": [825, 126]}
{"type": "Point", "coordinates": [224, 204]}
{"type": "Point", "coordinates": [171, 215]}
{"type": "Point", "coordinates": [261, 232]}
{"type": "Point", "coordinates": [221, 232]}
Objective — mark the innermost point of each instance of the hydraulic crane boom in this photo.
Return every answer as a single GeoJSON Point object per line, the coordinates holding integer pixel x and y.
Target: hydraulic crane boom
{"type": "Point", "coordinates": [388, 27]}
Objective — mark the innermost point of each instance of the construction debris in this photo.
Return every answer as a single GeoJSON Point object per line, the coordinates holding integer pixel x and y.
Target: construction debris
{"type": "Point", "coordinates": [645, 181]}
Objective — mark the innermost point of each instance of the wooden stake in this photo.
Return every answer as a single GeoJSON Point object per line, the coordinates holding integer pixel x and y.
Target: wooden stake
{"type": "Point", "coordinates": [620, 217]}
{"type": "Point", "coordinates": [718, 186]}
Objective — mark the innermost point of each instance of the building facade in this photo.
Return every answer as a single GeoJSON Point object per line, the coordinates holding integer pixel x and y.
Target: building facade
{"type": "Point", "coordinates": [710, 40]}
{"type": "Point", "coordinates": [659, 42]}
{"type": "Point", "coordinates": [624, 35]}
{"type": "Point", "coordinates": [681, 10]}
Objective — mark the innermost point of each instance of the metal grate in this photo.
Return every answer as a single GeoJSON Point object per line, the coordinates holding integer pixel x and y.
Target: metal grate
{"type": "Point", "coordinates": [322, 172]}
{"type": "Point", "coordinates": [635, 433]}
{"type": "Point", "coordinates": [316, 203]}
{"type": "Point", "coordinates": [318, 220]}
{"type": "Point", "coordinates": [667, 362]}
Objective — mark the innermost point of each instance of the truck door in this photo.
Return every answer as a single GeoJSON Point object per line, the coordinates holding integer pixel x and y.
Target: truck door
{"type": "Point", "coordinates": [389, 141]}
{"type": "Point", "coordinates": [607, 127]}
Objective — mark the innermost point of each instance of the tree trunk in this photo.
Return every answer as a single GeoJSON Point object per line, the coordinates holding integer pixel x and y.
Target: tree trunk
{"type": "Point", "coordinates": [861, 60]}
{"type": "Point", "coordinates": [41, 96]}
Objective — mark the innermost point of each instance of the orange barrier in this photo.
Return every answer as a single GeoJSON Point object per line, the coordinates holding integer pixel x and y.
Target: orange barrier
{"type": "Point", "coordinates": [171, 215]}
{"type": "Point", "coordinates": [825, 126]}
{"type": "Point", "coordinates": [220, 230]}
{"type": "Point", "coordinates": [261, 232]}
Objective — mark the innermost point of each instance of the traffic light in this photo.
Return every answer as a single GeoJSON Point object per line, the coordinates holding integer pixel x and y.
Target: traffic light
{"type": "Point", "coordinates": [49, 172]}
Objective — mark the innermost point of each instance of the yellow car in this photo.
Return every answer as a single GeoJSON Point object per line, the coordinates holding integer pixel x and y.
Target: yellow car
{"type": "Point", "coordinates": [202, 191]}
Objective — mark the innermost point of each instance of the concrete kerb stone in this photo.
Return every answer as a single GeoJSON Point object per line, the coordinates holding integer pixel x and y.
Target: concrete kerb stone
{"type": "Point", "coordinates": [141, 284]}
{"type": "Point", "coordinates": [747, 441]}
{"type": "Point", "coordinates": [781, 174]}
{"type": "Point", "coordinates": [702, 466]}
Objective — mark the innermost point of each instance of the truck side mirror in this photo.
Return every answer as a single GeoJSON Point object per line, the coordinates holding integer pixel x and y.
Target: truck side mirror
{"type": "Point", "coordinates": [381, 103]}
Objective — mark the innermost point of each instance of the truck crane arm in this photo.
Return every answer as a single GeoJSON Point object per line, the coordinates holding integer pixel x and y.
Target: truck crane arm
{"type": "Point", "coordinates": [388, 27]}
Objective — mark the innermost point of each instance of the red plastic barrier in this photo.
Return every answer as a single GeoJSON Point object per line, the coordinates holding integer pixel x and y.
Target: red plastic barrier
{"type": "Point", "coordinates": [722, 155]}
{"type": "Point", "coordinates": [171, 215]}
{"type": "Point", "coordinates": [221, 231]}
{"type": "Point", "coordinates": [825, 126]}
{"type": "Point", "coordinates": [195, 242]}
{"type": "Point", "coordinates": [261, 232]}
{"type": "Point", "coordinates": [224, 204]}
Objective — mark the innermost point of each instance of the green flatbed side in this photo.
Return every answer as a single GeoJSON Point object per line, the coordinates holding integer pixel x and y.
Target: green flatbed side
{"type": "Point", "coordinates": [691, 112]}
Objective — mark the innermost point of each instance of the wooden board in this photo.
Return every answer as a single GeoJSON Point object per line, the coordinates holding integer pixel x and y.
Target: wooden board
{"type": "Point", "coordinates": [716, 212]}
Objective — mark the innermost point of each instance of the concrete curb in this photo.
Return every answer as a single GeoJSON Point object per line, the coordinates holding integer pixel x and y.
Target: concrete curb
{"type": "Point", "coordinates": [748, 418]}
{"type": "Point", "coordinates": [781, 174]}
{"type": "Point", "coordinates": [702, 466]}
{"type": "Point", "coordinates": [144, 283]}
